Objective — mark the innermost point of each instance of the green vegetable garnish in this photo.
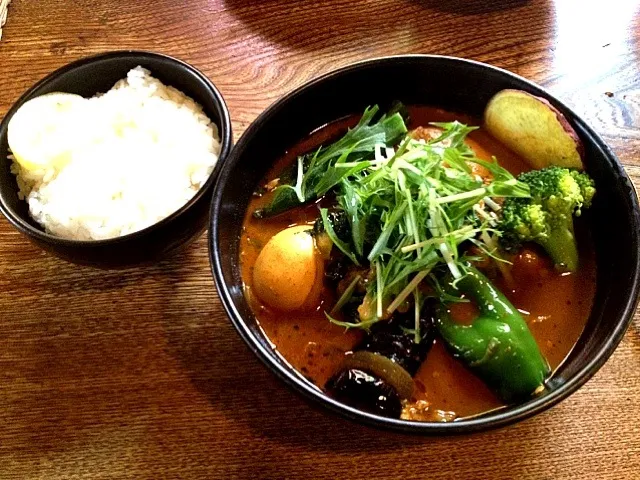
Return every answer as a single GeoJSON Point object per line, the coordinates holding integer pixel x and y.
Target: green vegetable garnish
{"type": "Point", "coordinates": [409, 212]}
{"type": "Point", "coordinates": [319, 172]}
{"type": "Point", "coordinates": [408, 208]}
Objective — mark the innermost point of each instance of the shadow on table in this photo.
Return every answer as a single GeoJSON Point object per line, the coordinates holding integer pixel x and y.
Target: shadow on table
{"type": "Point", "coordinates": [222, 368]}
{"type": "Point", "coordinates": [312, 25]}
{"type": "Point", "coordinates": [473, 7]}
{"type": "Point", "coordinates": [238, 386]}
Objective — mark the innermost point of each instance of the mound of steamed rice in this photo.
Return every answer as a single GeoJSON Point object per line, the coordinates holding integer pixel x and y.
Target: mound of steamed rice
{"type": "Point", "coordinates": [143, 150]}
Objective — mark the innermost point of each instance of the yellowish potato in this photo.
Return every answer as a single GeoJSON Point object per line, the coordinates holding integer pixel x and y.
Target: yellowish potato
{"type": "Point", "coordinates": [288, 272]}
{"type": "Point", "coordinates": [41, 133]}
{"type": "Point", "coordinates": [533, 128]}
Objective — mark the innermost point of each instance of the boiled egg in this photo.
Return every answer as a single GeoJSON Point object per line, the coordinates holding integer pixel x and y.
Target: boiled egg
{"type": "Point", "coordinates": [289, 270]}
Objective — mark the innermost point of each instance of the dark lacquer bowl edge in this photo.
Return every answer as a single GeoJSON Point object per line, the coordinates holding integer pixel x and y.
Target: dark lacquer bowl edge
{"type": "Point", "coordinates": [224, 131]}
{"type": "Point", "coordinates": [499, 418]}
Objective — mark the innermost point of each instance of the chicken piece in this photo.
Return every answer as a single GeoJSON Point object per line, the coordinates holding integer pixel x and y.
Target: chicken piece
{"type": "Point", "coordinates": [427, 134]}
{"type": "Point", "coordinates": [431, 133]}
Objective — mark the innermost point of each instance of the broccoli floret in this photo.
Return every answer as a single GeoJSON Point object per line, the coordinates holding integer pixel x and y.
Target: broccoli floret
{"type": "Point", "coordinates": [557, 195]}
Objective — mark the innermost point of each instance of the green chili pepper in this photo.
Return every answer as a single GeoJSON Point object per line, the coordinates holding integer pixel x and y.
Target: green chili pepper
{"type": "Point", "coordinates": [498, 346]}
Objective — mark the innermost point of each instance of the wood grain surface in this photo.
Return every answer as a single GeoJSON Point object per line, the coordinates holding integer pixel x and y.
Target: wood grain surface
{"type": "Point", "coordinates": [139, 374]}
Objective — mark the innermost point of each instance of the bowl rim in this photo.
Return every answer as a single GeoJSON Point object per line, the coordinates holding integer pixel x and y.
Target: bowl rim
{"type": "Point", "coordinates": [490, 420]}
{"type": "Point", "coordinates": [224, 131]}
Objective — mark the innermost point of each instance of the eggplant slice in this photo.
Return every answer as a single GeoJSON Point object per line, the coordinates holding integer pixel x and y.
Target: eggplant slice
{"type": "Point", "coordinates": [379, 386]}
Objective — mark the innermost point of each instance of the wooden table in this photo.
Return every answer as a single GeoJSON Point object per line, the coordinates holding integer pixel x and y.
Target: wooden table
{"type": "Point", "coordinates": [139, 374]}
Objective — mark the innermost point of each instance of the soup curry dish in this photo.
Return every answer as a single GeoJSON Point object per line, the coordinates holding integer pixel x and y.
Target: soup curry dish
{"type": "Point", "coordinates": [414, 267]}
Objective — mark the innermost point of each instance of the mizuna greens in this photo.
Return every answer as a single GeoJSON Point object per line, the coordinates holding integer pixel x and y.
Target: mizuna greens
{"type": "Point", "coordinates": [409, 206]}
{"type": "Point", "coordinates": [316, 173]}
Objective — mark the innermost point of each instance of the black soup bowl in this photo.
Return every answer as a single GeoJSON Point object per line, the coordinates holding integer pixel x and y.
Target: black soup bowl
{"type": "Point", "coordinates": [456, 85]}
{"type": "Point", "coordinates": [98, 74]}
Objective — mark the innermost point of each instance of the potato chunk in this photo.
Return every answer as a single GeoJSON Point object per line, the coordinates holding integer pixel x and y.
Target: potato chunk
{"type": "Point", "coordinates": [534, 129]}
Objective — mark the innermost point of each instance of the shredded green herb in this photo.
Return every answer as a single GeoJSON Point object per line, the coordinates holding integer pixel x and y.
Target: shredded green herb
{"type": "Point", "coordinates": [325, 168]}
{"type": "Point", "coordinates": [409, 210]}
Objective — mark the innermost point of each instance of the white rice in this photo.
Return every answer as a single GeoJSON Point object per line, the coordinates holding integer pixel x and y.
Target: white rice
{"type": "Point", "coordinates": [144, 149]}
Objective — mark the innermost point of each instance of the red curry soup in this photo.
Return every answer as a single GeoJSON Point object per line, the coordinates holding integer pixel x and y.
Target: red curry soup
{"type": "Point", "coordinates": [408, 266]}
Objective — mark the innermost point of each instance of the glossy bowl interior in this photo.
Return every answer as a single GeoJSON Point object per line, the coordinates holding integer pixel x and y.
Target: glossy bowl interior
{"type": "Point", "coordinates": [97, 74]}
{"type": "Point", "coordinates": [456, 85]}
